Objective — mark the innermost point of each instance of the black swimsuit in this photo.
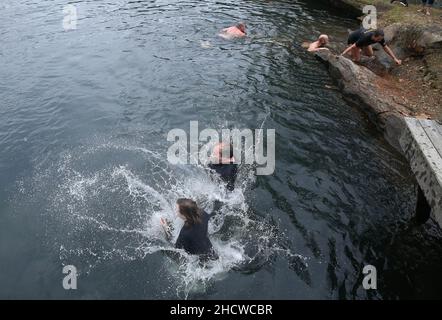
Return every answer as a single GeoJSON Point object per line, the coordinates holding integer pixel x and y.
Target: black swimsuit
{"type": "Point", "coordinates": [194, 238]}
{"type": "Point", "coordinates": [227, 172]}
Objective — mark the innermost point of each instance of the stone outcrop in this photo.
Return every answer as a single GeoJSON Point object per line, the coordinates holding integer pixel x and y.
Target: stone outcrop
{"type": "Point", "coordinates": [423, 41]}
{"type": "Point", "coordinates": [363, 88]}
{"type": "Point", "coordinates": [368, 86]}
{"type": "Point", "coordinates": [389, 100]}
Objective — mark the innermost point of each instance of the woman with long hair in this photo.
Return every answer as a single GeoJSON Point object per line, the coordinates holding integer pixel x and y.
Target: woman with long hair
{"type": "Point", "coordinates": [193, 237]}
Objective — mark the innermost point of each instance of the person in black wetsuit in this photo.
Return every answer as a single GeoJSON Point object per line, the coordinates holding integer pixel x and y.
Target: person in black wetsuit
{"type": "Point", "coordinates": [362, 40]}
{"type": "Point", "coordinates": [193, 237]}
{"type": "Point", "coordinates": [224, 165]}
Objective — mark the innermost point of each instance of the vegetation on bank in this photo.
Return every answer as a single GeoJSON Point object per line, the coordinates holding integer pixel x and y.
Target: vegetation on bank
{"type": "Point", "coordinates": [410, 15]}
{"type": "Point", "coordinates": [418, 82]}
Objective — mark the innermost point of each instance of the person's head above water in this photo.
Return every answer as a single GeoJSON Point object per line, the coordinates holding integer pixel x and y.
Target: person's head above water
{"type": "Point", "coordinates": [236, 31]}
{"type": "Point", "coordinates": [242, 27]}
{"type": "Point", "coordinates": [323, 39]}
{"type": "Point", "coordinates": [223, 153]}
{"type": "Point", "coordinates": [188, 211]}
{"type": "Point", "coordinates": [378, 35]}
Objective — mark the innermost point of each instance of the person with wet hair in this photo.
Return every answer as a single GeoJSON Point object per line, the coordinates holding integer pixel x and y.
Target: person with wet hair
{"type": "Point", "coordinates": [236, 31]}
{"type": "Point", "coordinates": [319, 44]}
{"type": "Point", "coordinates": [193, 237]}
{"type": "Point", "coordinates": [362, 40]}
{"type": "Point", "coordinates": [223, 163]}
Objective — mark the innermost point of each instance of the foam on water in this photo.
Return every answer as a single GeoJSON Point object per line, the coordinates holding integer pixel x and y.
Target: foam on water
{"type": "Point", "coordinates": [108, 201]}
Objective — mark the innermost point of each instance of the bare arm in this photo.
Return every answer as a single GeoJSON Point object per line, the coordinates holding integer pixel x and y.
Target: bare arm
{"type": "Point", "coordinates": [321, 48]}
{"type": "Point", "coordinates": [392, 55]}
{"type": "Point", "coordinates": [167, 228]}
{"type": "Point", "coordinates": [348, 49]}
{"type": "Point", "coordinates": [315, 47]}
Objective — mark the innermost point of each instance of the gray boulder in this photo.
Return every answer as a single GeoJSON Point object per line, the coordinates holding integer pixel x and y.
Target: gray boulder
{"type": "Point", "coordinates": [364, 89]}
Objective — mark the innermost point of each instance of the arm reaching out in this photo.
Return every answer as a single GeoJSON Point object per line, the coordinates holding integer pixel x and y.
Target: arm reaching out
{"type": "Point", "coordinates": [348, 49]}
{"type": "Point", "coordinates": [392, 55]}
{"type": "Point", "coordinates": [314, 48]}
{"type": "Point", "coordinates": [167, 228]}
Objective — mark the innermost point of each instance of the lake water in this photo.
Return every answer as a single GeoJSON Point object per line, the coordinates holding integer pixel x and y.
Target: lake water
{"type": "Point", "coordinates": [84, 177]}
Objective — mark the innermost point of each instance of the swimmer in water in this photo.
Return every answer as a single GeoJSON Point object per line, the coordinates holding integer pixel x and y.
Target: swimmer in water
{"type": "Point", "coordinates": [237, 31]}
{"type": "Point", "coordinates": [319, 44]}
{"type": "Point", "coordinates": [193, 237]}
{"type": "Point", "coordinates": [223, 163]}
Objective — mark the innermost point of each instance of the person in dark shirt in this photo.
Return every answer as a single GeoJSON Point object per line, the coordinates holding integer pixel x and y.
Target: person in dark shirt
{"type": "Point", "coordinates": [362, 40]}
{"type": "Point", "coordinates": [193, 237]}
{"type": "Point", "coordinates": [224, 165]}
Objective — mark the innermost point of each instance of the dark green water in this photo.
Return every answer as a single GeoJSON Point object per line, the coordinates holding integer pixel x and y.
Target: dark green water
{"type": "Point", "coordinates": [84, 177]}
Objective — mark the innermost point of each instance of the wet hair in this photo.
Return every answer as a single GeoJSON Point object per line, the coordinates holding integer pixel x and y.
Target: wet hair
{"type": "Point", "coordinates": [226, 148]}
{"type": "Point", "coordinates": [378, 33]}
{"type": "Point", "coordinates": [323, 38]}
{"type": "Point", "coordinates": [189, 209]}
{"type": "Point", "coordinates": [241, 26]}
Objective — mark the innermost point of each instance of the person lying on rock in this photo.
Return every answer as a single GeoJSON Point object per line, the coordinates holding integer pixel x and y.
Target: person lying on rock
{"type": "Point", "coordinates": [362, 40]}
{"type": "Point", "coordinates": [319, 44]}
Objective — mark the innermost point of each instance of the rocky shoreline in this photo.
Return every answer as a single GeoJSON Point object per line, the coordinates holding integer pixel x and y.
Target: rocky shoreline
{"type": "Point", "coordinates": [385, 92]}
{"type": "Point", "coordinates": [360, 89]}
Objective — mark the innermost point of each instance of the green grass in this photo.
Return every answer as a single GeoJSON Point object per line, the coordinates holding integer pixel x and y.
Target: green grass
{"type": "Point", "coordinates": [394, 13]}
{"type": "Point", "coordinates": [409, 15]}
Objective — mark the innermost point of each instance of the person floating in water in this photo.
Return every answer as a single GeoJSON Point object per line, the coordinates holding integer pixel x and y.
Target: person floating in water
{"type": "Point", "coordinates": [319, 44]}
{"type": "Point", "coordinates": [237, 31]}
{"type": "Point", "coordinates": [223, 163]}
{"type": "Point", "coordinates": [193, 237]}
{"type": "Point", "coordinates": [362, 39]}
